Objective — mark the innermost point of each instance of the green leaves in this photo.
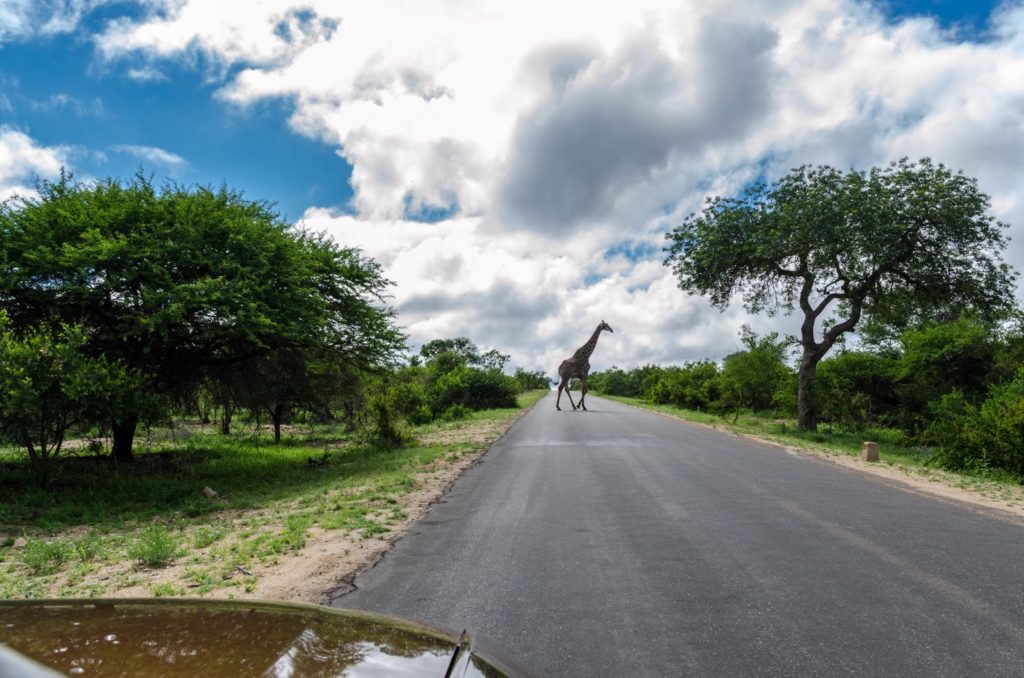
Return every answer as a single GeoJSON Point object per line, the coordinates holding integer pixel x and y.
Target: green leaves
{"type": "Point", "coordinates": [893, 241]}
{"type": "Point", "coordinates": [48, 384]}
{"type": "Point", "coordinates": [890, 246]}
{"type": "Point", "coordinates": [184, 284]}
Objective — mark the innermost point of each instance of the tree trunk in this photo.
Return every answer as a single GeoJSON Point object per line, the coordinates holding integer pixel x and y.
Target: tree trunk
{"type": "Point", "coordinates": [277, 415]}
{"type": "Point", "coordinates": [807, 405]}
{"type": "Point", "coordinates": [225, 419]}
{"type": "Point", "coordinates": [124, 438]}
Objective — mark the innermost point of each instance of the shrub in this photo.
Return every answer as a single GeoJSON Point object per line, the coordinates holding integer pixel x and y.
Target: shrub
{"type": "Point", "coordinates": [44, 557]}
{"type": "Point", "coordinates": [88, 547]}
{"type": "Point", "coordinates": [981, 438]}
{"type": "Point", "coordinates": [474, 389]}
{"type": "Point", "coordinates": [156, 547]}
{"type": "Point", "coordinates": [455, 412]}
{"type": "Point", "coordinates": [694, 386]}
{"type": "Point", "coordinates": [385, 428]}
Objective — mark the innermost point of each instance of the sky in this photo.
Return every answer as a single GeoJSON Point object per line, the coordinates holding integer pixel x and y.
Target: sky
{"type": "Point", "coordinates": [514, 166]}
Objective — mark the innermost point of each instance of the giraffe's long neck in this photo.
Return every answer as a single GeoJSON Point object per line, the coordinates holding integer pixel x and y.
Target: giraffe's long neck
{"type": "Point", "coordinates": [586, 349]}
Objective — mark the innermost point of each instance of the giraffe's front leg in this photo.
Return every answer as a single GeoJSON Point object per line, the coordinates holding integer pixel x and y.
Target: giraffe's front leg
{"type": "Point", "coordinates": [583, 392]}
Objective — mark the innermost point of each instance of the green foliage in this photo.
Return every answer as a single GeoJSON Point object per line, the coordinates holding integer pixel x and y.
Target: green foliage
{"type": "Point", "coordinates": [206, 535]}
{"type": "Point", "coordinates": [981, 438]}
{"type": "Point", "coordinates": [385, 426]}
{"type": "Point", "coordinates": [183, 284]}
{"type": "Point", "coordinates": [854, 246]}
{"type": "Point", "coordinates": [751, 378]}
{"type": "Point", "coordinates": [89, 547]}
{"type": "Point", "coordinates": [857, 389]}
{"type": "Point", "coordinates": [156, 546]}
{"type": "Point", "coordinates": [43, 557]}
{"type": "Point", "coordinates": [473, 389]}
{"type": "Point", "coordinates": [694, 386]}
{"type": "Point", "coordinates": [462, 348]}
{"type": "Point", "coordinates": [616, 381]}
{"type": "Point", "coordinates": [938, 359]}
{"type": "Point", "coordinates": [449, 385]}
{"type": "Point", "coordinates": [48, 385]}
{"type": "Point", "coordinates": [531, 381]}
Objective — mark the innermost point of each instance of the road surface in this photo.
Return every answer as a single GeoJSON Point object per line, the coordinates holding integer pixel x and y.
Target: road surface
{"type": "Point", "coordinates": [617, 542]}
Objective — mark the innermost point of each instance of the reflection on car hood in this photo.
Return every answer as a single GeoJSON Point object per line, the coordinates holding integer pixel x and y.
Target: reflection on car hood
{"type": "Point", "coordinates": [228, 638]}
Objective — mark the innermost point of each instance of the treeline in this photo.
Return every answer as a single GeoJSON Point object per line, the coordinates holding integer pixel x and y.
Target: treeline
{"type": "Point", "coordinates": [447, 380]}
{"type": "Point", "coordinates": [957, 387]}
{"type": "Point", "coordinates": [123, 305]}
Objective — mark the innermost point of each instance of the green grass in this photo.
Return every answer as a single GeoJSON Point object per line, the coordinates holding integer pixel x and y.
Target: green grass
{"type": "Point", "coordinates": [153, 513]}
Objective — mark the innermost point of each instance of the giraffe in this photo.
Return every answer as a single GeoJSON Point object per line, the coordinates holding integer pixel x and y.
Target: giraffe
{"type": "Point", "coordinates": [578, 366]}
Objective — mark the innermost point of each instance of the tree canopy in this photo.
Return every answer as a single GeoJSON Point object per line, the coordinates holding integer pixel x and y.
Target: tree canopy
{"type": "Point", "coordinates": [892, 245]}
{"type": "Point", "coordinates": [184, 282]}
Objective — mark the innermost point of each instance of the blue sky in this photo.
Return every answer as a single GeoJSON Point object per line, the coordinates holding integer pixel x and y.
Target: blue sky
{"type": "Point", "coordinates": [512, 168]}
{"type": "Point", "coordinates": [62, 94]}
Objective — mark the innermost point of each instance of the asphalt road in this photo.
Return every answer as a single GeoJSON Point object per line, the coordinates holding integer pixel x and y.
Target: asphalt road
{"type": "Point", "coordinates": [618, 542]}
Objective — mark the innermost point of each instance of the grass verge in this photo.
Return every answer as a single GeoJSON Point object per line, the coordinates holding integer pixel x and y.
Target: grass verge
{"type": "Point", "coordinates": [202, 513]}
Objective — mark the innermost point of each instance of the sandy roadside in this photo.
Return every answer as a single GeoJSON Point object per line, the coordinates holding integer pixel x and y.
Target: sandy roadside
{"type": "Point", "coordinates": [331, 559]}
{"type": "Point", "coordinates": [933, 482]}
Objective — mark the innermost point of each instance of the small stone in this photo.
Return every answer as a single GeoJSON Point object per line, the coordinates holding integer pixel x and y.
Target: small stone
{"type": "Point", "coordinates": [209, 492]}
{"type": "Point", "coordinates": [19, 543]}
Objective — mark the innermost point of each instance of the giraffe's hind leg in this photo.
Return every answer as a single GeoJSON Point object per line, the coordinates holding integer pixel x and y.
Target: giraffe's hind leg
{"type": "Point", "coordinates": [564, 385]}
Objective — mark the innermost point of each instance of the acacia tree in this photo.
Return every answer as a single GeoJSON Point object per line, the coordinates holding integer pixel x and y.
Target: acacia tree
{"type": "Point", "coordinates": [889, 246]}
{"type": "Point", "coordinates": [182, 283]}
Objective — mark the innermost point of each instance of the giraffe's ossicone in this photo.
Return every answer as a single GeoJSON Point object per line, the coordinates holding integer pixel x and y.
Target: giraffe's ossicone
{"type": "Point", "coordinates": [578, 366]}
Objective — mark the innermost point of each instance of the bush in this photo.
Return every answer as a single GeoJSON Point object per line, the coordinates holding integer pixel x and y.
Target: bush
{"type": "Point", "coordinates": [156, 547]}
{"type": "Point", "coordinates": [981, 438]}
{"type": "Point", "coordinates": [693, 386]}
{"type": "Point", "coordinates": [385, 427]}
{"type": "Point", "coordinates": [473, 389]}
{"type": "Point", "coordinates": [455, 412]}
{"type": "Point", "coordinates": [43, 557]}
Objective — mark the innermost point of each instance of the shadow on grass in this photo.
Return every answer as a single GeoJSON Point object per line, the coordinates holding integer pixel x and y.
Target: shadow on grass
{"type": "Point", "coordinates": [97, 492]}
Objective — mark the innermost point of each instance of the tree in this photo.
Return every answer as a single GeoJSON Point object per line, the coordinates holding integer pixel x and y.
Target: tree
{"type": "Point", "coordinates": [940, 359]}
{"type": "Point", "coordinates": [182, 283]}
{"type": "Point", "coordinates": [855, 388]}
{"type": "Point", "coordinates": [751, 378]}
{"type": "Point", "coordinates": [889, 246]}
{"type": "Point", "coordinates": [48, 385]}
{"type": "Point", "coordinates": [460, 346]}
{"type": "Point", "coordinates": [529, 381]}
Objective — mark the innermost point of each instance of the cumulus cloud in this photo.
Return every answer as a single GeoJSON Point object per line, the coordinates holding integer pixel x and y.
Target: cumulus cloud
{"type": "Point", "coordinates": [23, 161]}
{"type": "Point", "coordinates": [555, 137]}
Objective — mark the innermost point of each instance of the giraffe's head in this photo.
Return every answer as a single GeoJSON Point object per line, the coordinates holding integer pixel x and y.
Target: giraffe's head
{"type": "Point", "coordinates": [605, 326]}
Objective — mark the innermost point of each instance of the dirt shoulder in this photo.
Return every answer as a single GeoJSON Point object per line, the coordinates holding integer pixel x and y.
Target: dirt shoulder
{"type": "Point", "coordinates": [331, 559]}
{"type": "Point", "coordinates": [1003, 501]}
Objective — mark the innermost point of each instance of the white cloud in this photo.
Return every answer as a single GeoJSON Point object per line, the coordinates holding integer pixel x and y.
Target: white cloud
{"type": "Point", "coordinates": [151, 154]}
{"type": "Point", "coordinates": [146, 73]}
{"type": "Point", "coordinates": [21, 19]}
{"type": "Point", "coordinates": [557, 130]}
{"type": "Point", "coordinates": [22, 161]}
